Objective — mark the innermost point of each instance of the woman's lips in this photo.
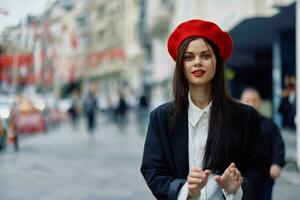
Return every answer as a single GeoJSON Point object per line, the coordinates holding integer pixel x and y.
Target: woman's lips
{"type": "Point", "coordinates": [198, 73]}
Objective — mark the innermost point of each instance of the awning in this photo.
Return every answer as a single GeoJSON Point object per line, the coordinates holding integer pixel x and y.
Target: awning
{"type": "Point", "coordinates": [259, 33]}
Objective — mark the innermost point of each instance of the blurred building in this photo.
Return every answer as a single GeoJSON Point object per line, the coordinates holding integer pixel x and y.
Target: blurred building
{"type": "Point", "coordinates": [56, 46]}
{"type": "Point", "coordinates": [16, 60]}
{"type": "Point", "coordinates": [155, 22]}
{"type": "Point", "coordinates": [66, 29]}
{"type": "Point", "coordinates": [114, 56]}
{"type": "Point", "coordinates": [28, 61]}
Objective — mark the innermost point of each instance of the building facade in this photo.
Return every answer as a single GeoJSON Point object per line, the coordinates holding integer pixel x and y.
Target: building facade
{"type": "Point", "coordinates": [114, 54]}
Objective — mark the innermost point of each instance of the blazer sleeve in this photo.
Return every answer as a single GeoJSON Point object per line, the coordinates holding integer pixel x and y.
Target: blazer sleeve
{"type": "Point", "coordinates": [256, 160]}
{"type": "Point", "coordinates": [155, 168]}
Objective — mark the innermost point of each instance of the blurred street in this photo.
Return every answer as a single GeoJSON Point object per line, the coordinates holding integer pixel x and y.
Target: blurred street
{"type": "Point", "coordinates": [68, 163]}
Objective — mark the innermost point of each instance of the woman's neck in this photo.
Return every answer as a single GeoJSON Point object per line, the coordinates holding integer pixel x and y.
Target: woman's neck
{"type": "Point", "coordinates": [201, 96]}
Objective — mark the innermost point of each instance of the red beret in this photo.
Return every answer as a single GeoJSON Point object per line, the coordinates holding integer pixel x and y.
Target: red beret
{"type": "Point", "coordinates": [201, 28]}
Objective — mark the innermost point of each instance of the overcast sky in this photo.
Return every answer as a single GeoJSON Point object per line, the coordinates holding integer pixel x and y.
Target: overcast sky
{"type": "Point", "coordinates": [19, 9]}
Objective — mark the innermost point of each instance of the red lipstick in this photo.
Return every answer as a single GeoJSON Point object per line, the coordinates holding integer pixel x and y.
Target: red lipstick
{"type": "Point", "coordinates": [198, 73]}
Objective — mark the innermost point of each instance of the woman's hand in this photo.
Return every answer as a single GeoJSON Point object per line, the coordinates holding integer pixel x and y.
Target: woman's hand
{"type": "Point", "coordinates": [231, 179]}
{"type": "Point", "coordinates": [197, 179]}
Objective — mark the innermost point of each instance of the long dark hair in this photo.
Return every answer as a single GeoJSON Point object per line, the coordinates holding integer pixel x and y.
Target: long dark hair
{"type": "Point", "coordinates": [216, 144]}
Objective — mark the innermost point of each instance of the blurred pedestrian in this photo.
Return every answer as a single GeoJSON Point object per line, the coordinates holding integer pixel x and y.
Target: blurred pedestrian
{"type": "Point", "coordinates": [13, 127]}
{"type": "Point", "coordinates": [74, 109]}
{"type": "Point", "coordinates": [143, 102]}
{"type": "Point", "coordinates": [287, 107]}
{"type": "Point", "coordinates": [122, 110]}
{"type": "Point", "coordinates": [203, 145]}
{"type": "Point", "coordinates": [142, 112]}
{"type": "Point", "coordinates": [3, 135]}
{"type": "Point", "coordinates": [274, 141]}
{"type": "Point", "coordinates": [90, 109]}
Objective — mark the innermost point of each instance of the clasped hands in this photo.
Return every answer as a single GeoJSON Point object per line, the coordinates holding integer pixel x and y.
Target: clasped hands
{"type": "Point", "coordinates": [230, 180]}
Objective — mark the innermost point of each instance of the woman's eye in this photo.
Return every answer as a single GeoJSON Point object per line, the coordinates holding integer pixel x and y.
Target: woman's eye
{"type": "Point", "coordinates": [188, 57]}
{"type": "Point", "coordinates": [206, 56]}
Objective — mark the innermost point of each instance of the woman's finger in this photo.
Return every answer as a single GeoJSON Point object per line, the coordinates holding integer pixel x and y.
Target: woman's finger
{"type": "Point", "coordinates": [196, 169]}
{"type": "Point", "coordinates": [195, 174]}
{"type": "Point", "coordinates": [207, 172]}
{"type": "Point", "coordinates": [229, 168]}
{"type": "Point", "coordinates": [238, 174]}
{"type": "Point", "coordinates": [232, 164]}
{"type": "Point", "coordinates": [198, 177]}
{"type": "Point", "coordinates": [233, 172]}
{"type": "Point", "coordinates": [195, 180]}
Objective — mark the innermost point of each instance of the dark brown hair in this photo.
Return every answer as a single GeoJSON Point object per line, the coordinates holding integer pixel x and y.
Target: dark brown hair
{"type": "Point", "coordinates": [216, 141]}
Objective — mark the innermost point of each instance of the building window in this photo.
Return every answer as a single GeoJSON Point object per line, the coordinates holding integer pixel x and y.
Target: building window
{"type": "Point", "coordinates": [100, 36]}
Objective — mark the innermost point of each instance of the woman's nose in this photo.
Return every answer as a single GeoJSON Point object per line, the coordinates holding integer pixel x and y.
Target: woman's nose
{"type": "Point", "coordinates": [197, 61]}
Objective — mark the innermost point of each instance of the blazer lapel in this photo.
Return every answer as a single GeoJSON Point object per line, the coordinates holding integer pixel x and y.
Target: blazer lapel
{"type": "Point", "coordinates": [179, 145]}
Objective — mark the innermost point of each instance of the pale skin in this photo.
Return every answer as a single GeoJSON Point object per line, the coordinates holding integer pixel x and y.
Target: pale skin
{"type": "Point", "coordinates": [252, 98]}
{"type": "Point", "coordinates": [199, 68]}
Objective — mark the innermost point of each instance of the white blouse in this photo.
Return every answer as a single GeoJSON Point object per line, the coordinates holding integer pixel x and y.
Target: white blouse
{"type": "Point", "coordinates": [198, 130]}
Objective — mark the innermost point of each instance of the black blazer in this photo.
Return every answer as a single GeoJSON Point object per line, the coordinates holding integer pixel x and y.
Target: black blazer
{"type": "Point", "coordinates": [165, 164]}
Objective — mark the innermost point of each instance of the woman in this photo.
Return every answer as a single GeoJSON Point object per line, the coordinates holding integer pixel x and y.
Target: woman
{"type": "Point", "coordinates": [203, 145]}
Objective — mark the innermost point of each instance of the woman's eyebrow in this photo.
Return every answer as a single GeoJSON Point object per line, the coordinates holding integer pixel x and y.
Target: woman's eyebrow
{"type": "Point", "coordinates": [208, 51]}
{"type": "Point", "coordinates": [205, 51]}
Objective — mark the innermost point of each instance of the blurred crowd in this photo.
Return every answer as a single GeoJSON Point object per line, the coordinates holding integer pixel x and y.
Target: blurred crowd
{"type": "Point", "coordinates": [29, 115]}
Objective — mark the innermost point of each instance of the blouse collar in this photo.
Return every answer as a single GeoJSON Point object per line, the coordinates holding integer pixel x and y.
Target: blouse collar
{"type": "Point", "coordinates": [195, 113]}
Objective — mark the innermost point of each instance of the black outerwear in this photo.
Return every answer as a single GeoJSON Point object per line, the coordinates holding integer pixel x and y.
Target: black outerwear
{"type": "Point", "coordinates": [165, 164]}
{"type": "Point", "coordinates": [276, 149]}
{"type": "Point", "coordinates": [274, 141]}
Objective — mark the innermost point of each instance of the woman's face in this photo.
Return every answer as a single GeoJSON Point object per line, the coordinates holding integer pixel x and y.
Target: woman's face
{"type": "Point", "coordinates": [199, 62]}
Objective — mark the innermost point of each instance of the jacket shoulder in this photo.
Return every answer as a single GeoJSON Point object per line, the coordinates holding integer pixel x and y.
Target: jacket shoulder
{"type": "Point", "coordinates": [164, 108]}
{"type": "Point", "coordinates": [238, 108]}
{"type": "Point", "coordinates": [163, 112]}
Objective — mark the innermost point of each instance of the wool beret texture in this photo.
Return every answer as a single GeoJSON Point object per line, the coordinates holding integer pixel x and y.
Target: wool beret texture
{"type": "Point", "coordinates": [200, 28]}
